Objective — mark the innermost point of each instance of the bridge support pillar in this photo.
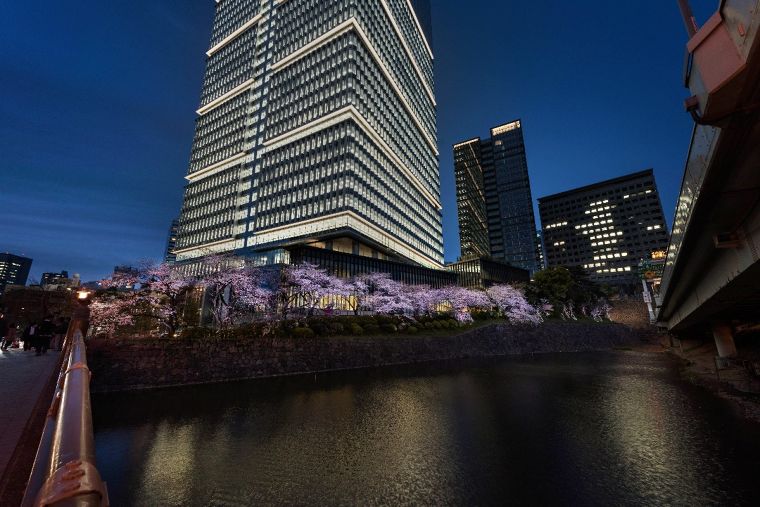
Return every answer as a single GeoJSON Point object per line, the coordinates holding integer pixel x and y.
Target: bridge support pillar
{"type": "Point", "coordinates": [724, 339]}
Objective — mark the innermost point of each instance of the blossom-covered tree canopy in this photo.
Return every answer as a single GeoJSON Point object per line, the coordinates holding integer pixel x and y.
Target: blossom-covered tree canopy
{"type": "Point", "coordinates": [512, 304]}
{"type": "Point", "coordinates": [237, 292]}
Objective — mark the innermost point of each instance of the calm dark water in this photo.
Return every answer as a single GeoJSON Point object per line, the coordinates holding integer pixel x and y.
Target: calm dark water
{"type": "Point", "coordinates": [575, 429]}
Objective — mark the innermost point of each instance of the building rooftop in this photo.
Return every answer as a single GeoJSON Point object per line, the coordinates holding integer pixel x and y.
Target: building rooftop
{"type": "Point", "coordinates": [600, 184]}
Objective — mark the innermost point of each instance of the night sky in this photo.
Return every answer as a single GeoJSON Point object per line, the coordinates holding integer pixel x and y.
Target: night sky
{"type": "Point", "coordinates": [98, 101]}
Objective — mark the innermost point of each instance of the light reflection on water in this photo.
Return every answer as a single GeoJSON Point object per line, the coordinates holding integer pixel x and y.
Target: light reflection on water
{"type": "Point", "coordinates": [582, 429]}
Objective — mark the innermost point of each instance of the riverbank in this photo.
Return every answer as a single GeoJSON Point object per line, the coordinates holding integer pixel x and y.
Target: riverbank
{"type": "Point", "coordinates": [130, 364]}
{"type": "Point", "coordinates": [733, 383]}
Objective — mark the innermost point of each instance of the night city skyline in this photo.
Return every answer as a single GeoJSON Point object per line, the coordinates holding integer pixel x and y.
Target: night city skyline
{"type": "Point", "coordinates": [98, 135]}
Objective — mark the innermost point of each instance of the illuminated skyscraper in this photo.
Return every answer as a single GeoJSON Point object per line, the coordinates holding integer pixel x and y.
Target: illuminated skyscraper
{"type": "Point", "coordinates": [606, 228]}
{"type": "Point", "coordinates": [494, 200]}
{"type": "Point", "coordinates": [316, 127]}
{"type": "Point", "coordinates": [14, 270]}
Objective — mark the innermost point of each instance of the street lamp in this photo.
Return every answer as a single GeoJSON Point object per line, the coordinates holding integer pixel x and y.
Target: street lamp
{"type": "Point", "coordinates": [83, 294]}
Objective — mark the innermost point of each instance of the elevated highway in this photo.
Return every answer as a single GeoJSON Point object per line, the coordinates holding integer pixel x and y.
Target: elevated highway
{"type": "Point", "coordinates": [712, 273]}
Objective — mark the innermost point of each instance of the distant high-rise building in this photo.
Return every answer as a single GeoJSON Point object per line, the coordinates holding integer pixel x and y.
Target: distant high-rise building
{"type": "Point", "coordinates": [494, 200]}
{"type": "Point", "coordinates": [14, 270]}
{"type": "Point", "coordinates": [316, 128]}
{"type": "Point", "coordinates": [540, 250]}
{"type": "Point", "coordinates": [171, 242]}
{"type": "Point", "coordinates": [61, 278]}
{"type": "Point", "coordinates": [605, 228]}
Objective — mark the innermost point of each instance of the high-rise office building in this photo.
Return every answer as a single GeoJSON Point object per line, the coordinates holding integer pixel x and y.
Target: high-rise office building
{"type": "Point", "coordinates": [494, 200]}
{"type": "Point", "coordinates": [171, 242]}
{"type": "Point", "coordinates": [316, 128]}
{"type": "Point", "coordinates": [605, 228]}
{"type": "Point", "coordinates": [61, 278]}
{"type": "Point", "coordinates": [14, 270]}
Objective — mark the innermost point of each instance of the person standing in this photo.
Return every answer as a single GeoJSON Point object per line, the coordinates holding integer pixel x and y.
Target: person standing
{"type": "Point", "coordinates": [30, 335]}
{"type": "Point", "coordinates": [58, 332]}
{"type": "Point", "coordinates": [3, 330]}
{"type": "Point", "coordinates": [9, 337]}
{"type": "Point", "coordinates": [44, 335]}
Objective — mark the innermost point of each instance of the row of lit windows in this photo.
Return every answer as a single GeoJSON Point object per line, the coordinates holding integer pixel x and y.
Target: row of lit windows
{"type": "Point", "coordinates": [383, 37]}
{"type": "Point", "coordinates": [292, 105]}
{"type": "Point", "coordinates": [231, 15]}
{"type": "Point", "coordinates": [220, 133]}
{"type": "Point", "coordinates": [324, 171]}
{"type": "Point", "coordinates": [413, 37]}
{"type": "Point", "coordinates": [229, 67]}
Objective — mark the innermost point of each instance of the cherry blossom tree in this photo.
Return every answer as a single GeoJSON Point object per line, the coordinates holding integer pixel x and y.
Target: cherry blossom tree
{"type": "Point", "coordinates": [461, 301]}
{"type": "Point", "coordinates": [233, 289]}
{"type": "Point", "coordinates": [306, 286]}
{"type": "Point", "coordinates": [385, 295]}
{"type": "Point", "coordinates": [107, 314]}
{"type": "Point", "coordinates": [165, 289]}
{"type": "Point", "coordinates": [513, 305]}
{"type": "Point", "coordinates": [600, 311]}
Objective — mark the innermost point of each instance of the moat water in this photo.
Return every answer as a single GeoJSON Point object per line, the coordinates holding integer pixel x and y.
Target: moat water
{"type": "Point", "coordinates": [566, 429]}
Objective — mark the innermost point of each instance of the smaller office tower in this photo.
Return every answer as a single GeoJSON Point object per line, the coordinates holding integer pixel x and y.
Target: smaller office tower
{"type": "Point", "coordinates": [540, 250]}
{"type": "Point", "coordinates": [471, 200]}
{"type": "Point", "coordinates": [55, 279]}
{"type": "Point", "coordinates": [171, 242]}
{"type": "Point", "coordinates": [494, 200]}
{"type": "Point", "coordinates": [606, 228]}
{"type": "Point", "coordinates": [14, 270]}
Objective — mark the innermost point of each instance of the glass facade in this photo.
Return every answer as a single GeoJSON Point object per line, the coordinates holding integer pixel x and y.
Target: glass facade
{"type": "Point", "coordinates": [483, 273]}
{"type": "Point", "coordinates": [317, 119]}
{"type": "Point", "coordinates": [606, 228]}
{"type": "Point", "coordinates": [346, 265]}
{"type": "Point", "coordinates": [14, 270]}
{"type": "Point", "coordinates": [493, 184]}
{"type": "Point", "coordinates": [171, 242]}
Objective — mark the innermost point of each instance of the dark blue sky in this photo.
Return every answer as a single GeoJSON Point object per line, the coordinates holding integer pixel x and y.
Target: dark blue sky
{"type": "Point", "coordinates": [98, 100]}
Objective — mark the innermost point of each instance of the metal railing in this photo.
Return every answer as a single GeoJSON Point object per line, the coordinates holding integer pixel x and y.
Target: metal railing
{"type": "Point", "coordinates": [64, 472]}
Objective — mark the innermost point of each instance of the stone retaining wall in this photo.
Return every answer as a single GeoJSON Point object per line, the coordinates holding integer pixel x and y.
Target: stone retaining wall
{"type": "Point", "coordinates": [146, 363]}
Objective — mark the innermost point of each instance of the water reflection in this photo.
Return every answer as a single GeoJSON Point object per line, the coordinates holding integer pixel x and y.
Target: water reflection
{"type": "Point", "coordinates": [606, 429]}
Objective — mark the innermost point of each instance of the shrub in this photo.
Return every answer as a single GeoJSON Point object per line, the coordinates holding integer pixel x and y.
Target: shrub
{"type": "Point", "coordinates": [335, 328]}
{"type": "Point", "coordinates": [356, 329]}
{"type": "Point", "coordinates": [302, 332]}
{"type": "Point", "coordinates": [411, 330]}
{"type": "Point", "coordinates": [371, 328]}
{"type": "Point", "coordinates": [320, 326]}
{"type": "Point", "coordinates": [389, 328]}
{"type": "Point", "coordinates": [384, 319]}
{"type": "Point", "coordinates": [453, 324]}
{"type": "Point", "coordinates": [195, 333]}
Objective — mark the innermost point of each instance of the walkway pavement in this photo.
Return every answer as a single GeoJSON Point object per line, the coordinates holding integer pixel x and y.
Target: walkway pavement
{"type": "Point", "coordinates": [22, 379]}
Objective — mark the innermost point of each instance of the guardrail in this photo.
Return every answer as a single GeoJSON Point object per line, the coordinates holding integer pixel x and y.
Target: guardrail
{"type": "Point", "coordinates": [64, 472]}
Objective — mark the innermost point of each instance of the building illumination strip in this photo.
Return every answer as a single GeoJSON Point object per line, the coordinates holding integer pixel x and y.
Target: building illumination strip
{"type": "Point", "coordinates": [464, 143]}
{"type": "Point", "coordinates": [204, 248]}
{"type": "Point", "coordinates": [227, 96]}
{"type": "Point", "coordinates": [347, 26]}
{"type": "Point", "coordinates": [353, 221]}
{"type": "Point", "coordinates": [346, 113]}
{"type": "Point", "coordinates": [507, 127]}
{"type": "Point", "coordinates": [248, 24]}
{"type": "Point", "coordinates": [409, 54]}
{"type": "Point", "coordinates": [208, 171]}
{"type": "Point", "coordinates": [419, 27]}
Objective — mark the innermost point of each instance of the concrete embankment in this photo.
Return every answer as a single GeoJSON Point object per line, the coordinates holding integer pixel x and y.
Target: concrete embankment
{"type": "Point", "coordinates": [123, 364]}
